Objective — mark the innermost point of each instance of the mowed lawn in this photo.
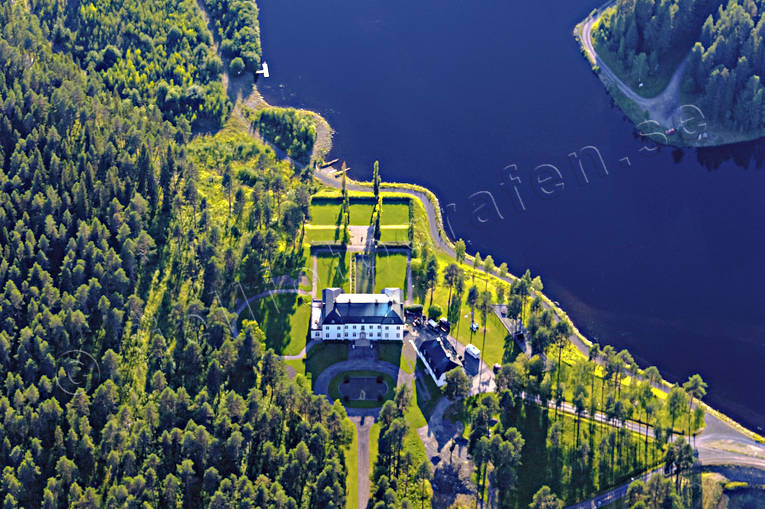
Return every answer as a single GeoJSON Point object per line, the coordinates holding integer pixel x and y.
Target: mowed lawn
{"type": "Point", "coordinates": [327, 212]}
{"type": "Point", "coordinates": [500, 347]}
{"type": "Point", "coordinates": [332, 271]}
{"type": "Point", "coordinates": [322, 234]}
{"type": "Point", "coordinates": [390, 271]}
{"type": "Point", "coordinates": [394, 213]}
{"type": "Point", "coordinates": [397, 234]}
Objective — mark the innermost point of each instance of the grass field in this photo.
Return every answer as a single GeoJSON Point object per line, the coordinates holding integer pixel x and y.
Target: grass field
{"type": "Point", "coordinates": [500, 347]}
{"type": "Point", "coordinates": [398, 234]}
{"type": "Point", "coordinates": [395, 211]}
{"type": "Point", "coordinates": [352, 477]}
{"type": "Point", "coordinates": [389, 352]}
{"type": "Point", "coordinates": [534, 423]}
{"type": "Point", "coordinates": [390, 271]}
{"type": "Point", "coordinates": [323, 355]}
{"type": "Point", "coordinates": [284, 319]}
{"type": "Point", "coordinates": [332, 271]}
{"type": "Point", "coordinates": [374, 439]}
{"type": "Point", "coordinates": [415, 419]}
{"type": "Point", "coordinates": [322, 234]}
{"type": "Point", "coordinates": [297, 364]}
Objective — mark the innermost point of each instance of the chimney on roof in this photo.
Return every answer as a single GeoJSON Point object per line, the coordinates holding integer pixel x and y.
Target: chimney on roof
{"type": "Point", "coordinates": [328, 295]}
{"type": "Point", "coordinates": [394, 294]}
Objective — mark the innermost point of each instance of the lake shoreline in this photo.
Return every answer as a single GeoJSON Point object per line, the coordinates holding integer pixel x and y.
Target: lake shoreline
{"type": "Point", "coordinates": [444, 244]}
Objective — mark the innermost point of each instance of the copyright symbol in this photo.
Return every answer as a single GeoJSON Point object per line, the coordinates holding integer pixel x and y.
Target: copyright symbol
{"type": "Point", "coordinates": [80, 370]}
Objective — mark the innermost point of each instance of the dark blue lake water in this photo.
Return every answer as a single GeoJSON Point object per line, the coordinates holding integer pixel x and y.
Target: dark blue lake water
{"type": "Point", "coordinates": [663, 256]}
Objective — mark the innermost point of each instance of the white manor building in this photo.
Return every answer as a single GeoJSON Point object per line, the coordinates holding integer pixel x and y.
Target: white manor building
{"type": "Point", "coordinates": [358, 317]}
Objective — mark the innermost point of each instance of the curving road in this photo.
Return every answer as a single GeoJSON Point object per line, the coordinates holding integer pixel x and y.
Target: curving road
{"type": "Point", "coordinates": [722, 444]}
{"type": "Point", "coordinates": [321, 384]}
{"type": "Point", "coordinates": [660, 108]}
{"type": "Point", "coordinates": [614, 494]}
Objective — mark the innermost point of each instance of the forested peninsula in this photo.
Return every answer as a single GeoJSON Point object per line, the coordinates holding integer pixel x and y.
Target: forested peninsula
{"type": "Point", "coordinates": [708, 54]}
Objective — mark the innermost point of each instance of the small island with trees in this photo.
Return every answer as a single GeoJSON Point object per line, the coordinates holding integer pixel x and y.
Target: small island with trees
{"type": "Point", "coordinates": [686, 72]}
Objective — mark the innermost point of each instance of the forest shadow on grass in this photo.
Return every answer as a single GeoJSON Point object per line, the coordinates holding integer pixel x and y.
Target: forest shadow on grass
{"type": "Point", "coordinates": [512, 350]}
{"type": "Point", "coordinates": [323, 355]}
{"type": "Point", "coordinates": [427, 399]}
{"type": "Point", "coordinates": [332, 269]}
{"type": "Point", "coordinates": [389, 352]}
{"type": "Point", "coordinates": [280, 317]}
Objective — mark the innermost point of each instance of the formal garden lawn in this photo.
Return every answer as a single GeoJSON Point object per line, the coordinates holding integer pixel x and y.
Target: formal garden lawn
{"type": "Point", "coordinates": [325, 210]}
{"type": "Point", "coordinates": [390, 271]}
{"type": "Point", "coordinates": [394, 213]}
{"type": "Point", "coordinates": [329, 213]}
{"type": "Point", "coordinates": [323, 234]}
{"type": "Point", "coordinates": [395, 234]}
{"type": "Point", "coordinates": [332, 271]}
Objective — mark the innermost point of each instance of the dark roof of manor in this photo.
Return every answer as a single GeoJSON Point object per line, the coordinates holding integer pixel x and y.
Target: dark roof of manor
{"type": "Point", "coordinates": [364, 308]}
{"type": "Point", "coordinates": [437, 357]}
